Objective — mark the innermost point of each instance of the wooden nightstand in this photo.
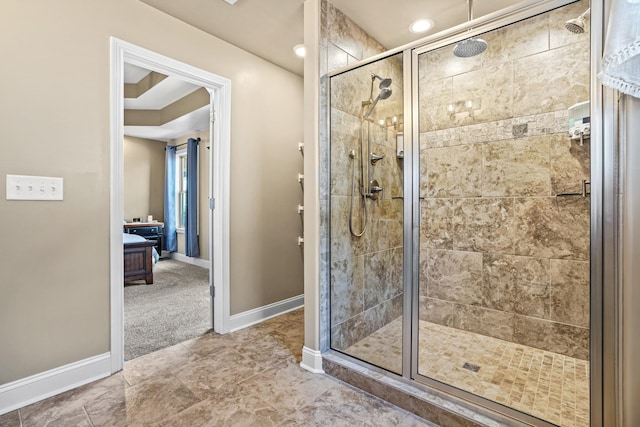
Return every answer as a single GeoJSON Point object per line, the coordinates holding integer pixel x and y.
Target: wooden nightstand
{"type": "Point", "coordinates": [148, 230]}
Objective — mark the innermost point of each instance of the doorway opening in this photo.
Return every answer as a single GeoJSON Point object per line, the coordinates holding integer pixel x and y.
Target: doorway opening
{"type": "Point", "coordinates": [214, 203]}
{"type": "Point", "coordinates": [166, 123]}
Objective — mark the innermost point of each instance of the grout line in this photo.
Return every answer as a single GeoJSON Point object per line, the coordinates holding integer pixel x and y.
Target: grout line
{"type": "Point", "coordinates": [84, 409]}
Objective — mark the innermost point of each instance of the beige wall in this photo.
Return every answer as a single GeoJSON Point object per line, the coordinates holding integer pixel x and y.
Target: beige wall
{"type": "Point", "coordinates": [203, 192]}
{"type": "Point", "coordinates": [144, 161]}
{"type": "Point", "coordinates": [54, 261]}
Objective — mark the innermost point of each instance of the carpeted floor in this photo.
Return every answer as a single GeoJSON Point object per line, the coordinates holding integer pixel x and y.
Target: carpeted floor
{"type": "Point", "coordinates": [177, 307]}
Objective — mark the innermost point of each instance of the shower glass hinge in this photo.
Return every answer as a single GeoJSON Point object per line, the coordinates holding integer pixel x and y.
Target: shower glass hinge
{"type": "Point", "coordinates": [212, 116]}
{"type": "Point", "coordinates": [212, 291]}
{"type": "Point", "coordinates": [212, 204]}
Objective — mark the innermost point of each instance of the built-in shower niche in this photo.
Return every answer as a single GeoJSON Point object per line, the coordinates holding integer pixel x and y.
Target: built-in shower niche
{"type": "Point", "coordinates": [366, 206]}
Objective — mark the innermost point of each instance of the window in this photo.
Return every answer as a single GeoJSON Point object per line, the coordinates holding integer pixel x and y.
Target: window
{"type": "Point", "coordinates": [181, 189]}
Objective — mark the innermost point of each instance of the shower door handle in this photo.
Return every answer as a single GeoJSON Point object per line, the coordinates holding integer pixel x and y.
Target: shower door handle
{"type": "Point", "coordinates": [583, 193]}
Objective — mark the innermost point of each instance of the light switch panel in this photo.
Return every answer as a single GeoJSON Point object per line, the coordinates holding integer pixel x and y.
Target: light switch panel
{"type": "Point", "coordinates": [22, 187]}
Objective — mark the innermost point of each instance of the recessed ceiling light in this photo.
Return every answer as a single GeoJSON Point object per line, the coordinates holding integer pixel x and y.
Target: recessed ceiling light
{"type": "Point", "coordinates": [421, 26]}
{"type": "Point", "coordinates": [299, 50]}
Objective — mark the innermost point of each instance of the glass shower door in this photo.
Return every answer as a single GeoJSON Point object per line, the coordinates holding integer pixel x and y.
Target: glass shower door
{"type": "Point", "coordinates": [366, 205]}
{"type": "Point", "coordinates": [504, 219]}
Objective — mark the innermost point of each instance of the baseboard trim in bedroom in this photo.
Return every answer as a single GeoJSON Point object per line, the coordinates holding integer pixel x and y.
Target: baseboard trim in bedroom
{"type": "Point", "coordinates": [190, 260]}
{"type": "Point", "coordinates": [25, 391]}
{"type": "Point", "coordinates": [260, 314]}
{"type": "Point", "coordinates": [311, 360]}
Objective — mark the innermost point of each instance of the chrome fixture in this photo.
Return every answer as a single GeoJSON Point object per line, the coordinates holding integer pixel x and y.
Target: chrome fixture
{"type": "Point", "coordinates": [369, 188]}
{"type": "Point", "coordinates": [471, 46]}
{"type": "Point", "coordinates": [576, 25]}
{"type": "Point", "coordinates": [374, 158]}
{"type": "Point", "coordinates": [384, 81]}
{"type": "Point", "coordinates": [385, 92]}
{"type": "Point", "coordinates": [374, 189]}
{"type": "Point", "coordinates": [584, 192]}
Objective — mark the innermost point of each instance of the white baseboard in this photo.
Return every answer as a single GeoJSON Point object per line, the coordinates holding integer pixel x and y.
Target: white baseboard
{"type": "Point", "coordinates": [25, 391]}
{"type": "Point", "coordinates": [190, 260]}
{"type": "Point", "coordinates": [260, 314]}
{"type": "Point", "coordinates": [311, 360]}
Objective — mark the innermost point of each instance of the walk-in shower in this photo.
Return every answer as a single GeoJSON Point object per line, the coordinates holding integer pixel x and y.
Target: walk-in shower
{"type": "Point", "coordinates": [471, 271]}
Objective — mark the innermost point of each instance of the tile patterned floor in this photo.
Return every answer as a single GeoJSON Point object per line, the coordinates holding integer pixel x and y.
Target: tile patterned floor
{"type": "Point", "coordinates": [250, 377]}
{"type": "Point", "coordinates": [547, 385]}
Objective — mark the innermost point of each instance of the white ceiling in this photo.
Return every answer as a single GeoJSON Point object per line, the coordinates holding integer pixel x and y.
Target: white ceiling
{"type": "Point", "coordinates": [164, 93]}
{"type": "Point", "coordinates": [133, 74]}
{"type": "Point", "coordinates": [185, 125]}
{"type": "Point", "coordinates": [159, 96]}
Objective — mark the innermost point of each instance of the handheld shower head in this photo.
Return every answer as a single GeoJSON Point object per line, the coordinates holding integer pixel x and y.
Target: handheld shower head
{"type": "Point", "coordinates": [385, 92]}
{"type": "Point", "coordinates": [384, 81]}
{"type": "Point", "coordinates": [576, 25]}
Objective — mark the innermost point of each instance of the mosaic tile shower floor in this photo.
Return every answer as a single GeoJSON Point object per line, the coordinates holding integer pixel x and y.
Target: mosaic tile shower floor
{"type": "Point", "coordinates": [544, 384]}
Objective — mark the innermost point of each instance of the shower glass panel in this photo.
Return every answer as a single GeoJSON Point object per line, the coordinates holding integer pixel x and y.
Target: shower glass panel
{"type": "Point", "coordinates": [505, 218]}
{"type": "Point", "coordinates": [366, 119]}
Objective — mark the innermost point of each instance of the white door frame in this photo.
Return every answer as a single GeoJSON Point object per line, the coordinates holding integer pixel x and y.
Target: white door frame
{"type": "Point", "coordinates": [220, 139]}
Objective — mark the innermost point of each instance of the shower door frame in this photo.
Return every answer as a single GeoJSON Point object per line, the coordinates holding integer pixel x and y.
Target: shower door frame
{"type": "Point", "coordinates": [412, 232]}
{"type": "Point", "coordinates": [603, 223]}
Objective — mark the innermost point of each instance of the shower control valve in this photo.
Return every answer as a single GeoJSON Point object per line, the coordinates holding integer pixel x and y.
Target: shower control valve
{"type": "Point", "coordinates": [375, 158]}
{"type": "Point", "coordinates": [375, 189]}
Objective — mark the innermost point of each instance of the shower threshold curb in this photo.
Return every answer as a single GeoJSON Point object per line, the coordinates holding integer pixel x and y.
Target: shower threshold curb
{"type": "Point", "coordinates": [433, 405]}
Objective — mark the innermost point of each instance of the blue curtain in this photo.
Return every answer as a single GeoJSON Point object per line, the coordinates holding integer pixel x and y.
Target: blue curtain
{"type": "Point", "coordinates": [191, 224]}
{"type": "Point", "coordinates": [170, 237]}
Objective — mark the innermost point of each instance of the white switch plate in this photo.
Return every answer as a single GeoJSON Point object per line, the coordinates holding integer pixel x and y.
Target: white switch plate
{"type": "Point", "coordinates": [22, 187]}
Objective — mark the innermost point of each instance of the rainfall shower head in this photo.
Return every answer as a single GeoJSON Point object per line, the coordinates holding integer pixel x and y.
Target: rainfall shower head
{"type": "Point", "coordinates": [384, 81]}
{"type": "Point", "coordinates": [576, 25]}
{"type": "Point", "coordinates": [385, 92]}
{"type": "Point", "coordinates": [471, 46]}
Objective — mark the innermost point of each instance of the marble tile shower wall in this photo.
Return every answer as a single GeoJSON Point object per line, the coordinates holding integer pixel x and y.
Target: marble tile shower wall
{"type": "Point", "coordinates": [500, 254]}
{"type": "Point", "coordinates": [366, 272]}
{"type": "Point", "coordinates": [365, 278]}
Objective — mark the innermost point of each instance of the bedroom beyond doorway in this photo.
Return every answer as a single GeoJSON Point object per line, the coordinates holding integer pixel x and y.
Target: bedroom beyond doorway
{"type": "Point", "coordinates": [172, 310]}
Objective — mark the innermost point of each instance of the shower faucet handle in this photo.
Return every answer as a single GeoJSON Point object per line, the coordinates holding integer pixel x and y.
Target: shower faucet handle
{"type": "Point", "coordinates": [375, 158]}
{"type": "Point", "coordinates": [374, 189]}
